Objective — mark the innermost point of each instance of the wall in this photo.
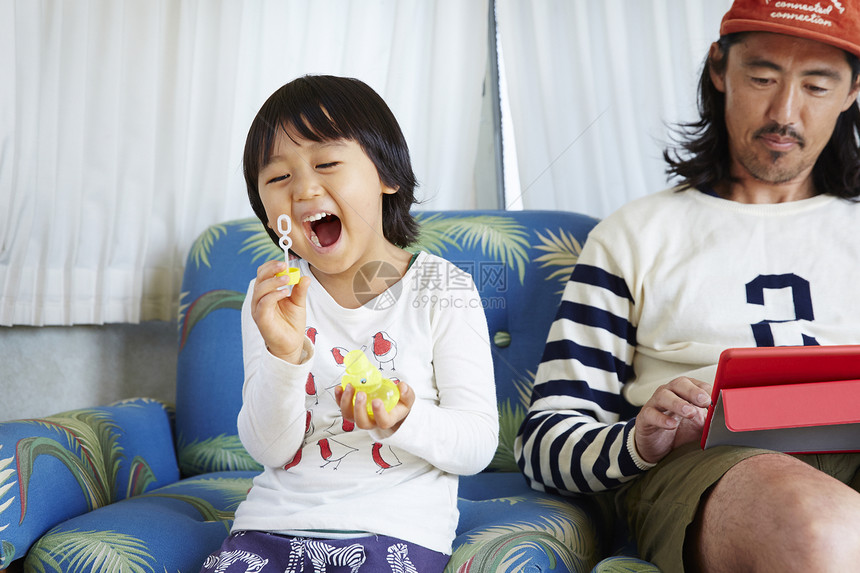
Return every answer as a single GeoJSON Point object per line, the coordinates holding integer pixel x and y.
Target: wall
{"type": "Point", "coordinates": [46, 370]}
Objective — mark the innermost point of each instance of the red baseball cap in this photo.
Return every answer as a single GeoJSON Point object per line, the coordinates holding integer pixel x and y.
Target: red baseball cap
{"type": "Point", "coordinates": [834, 22]}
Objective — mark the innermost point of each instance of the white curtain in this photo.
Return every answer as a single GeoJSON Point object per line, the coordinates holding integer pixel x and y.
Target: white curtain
{"type": "Point", "coordinates": [122, 124]}
{"type": "Point", "coordinates": [593, 87]}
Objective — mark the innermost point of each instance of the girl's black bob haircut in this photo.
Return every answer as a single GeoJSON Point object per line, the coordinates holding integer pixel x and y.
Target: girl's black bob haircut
{"type": "Point", "coordinates": [326, 108]}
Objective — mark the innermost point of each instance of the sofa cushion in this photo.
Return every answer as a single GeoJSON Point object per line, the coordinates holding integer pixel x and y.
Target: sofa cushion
{"type": "Point", "coordinates": [175, 527]}
{"type": "Point", "coordinates": [172, 528]}
{"type": "Point", "coordinates": [624, 564]}
{"type": "Point", "coordinates": [61, 466]}
{"type": "Point", "coordinates": [522, 529]}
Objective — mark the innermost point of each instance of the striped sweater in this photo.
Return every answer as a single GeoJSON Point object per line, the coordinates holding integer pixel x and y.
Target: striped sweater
{"type": "Point", "coordinates": [660, 289]}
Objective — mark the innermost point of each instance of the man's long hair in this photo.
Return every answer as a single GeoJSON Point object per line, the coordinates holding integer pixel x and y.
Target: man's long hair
{"type": "Point", "coordinates": [701, 156]}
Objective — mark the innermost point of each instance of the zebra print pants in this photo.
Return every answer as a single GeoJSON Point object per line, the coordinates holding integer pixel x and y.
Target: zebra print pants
{"type": "Point", "coordinates": [262, 552]}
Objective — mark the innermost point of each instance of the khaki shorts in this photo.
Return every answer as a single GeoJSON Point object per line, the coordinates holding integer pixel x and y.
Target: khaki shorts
{"type": "Point", "coordinates": [660, 505]}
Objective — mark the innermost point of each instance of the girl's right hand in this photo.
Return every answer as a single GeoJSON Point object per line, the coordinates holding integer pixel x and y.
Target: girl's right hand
{"type": "Point", "coordinates": [280, 314]}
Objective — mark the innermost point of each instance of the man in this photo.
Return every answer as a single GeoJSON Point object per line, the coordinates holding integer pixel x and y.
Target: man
{"type": "Point", "coordinates": [757, 247]}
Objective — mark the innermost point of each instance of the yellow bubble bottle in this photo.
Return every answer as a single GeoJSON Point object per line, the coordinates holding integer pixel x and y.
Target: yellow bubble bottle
{"type": "Point", "coordinates": [366, 378]}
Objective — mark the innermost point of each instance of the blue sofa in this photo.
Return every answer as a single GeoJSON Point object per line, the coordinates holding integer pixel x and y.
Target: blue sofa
{"type": "Point", "coordinates": [142, 487]}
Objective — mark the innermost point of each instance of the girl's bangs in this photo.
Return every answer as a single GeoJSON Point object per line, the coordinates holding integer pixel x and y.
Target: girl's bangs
{"type": "Point", "coordinates": [310, 122]}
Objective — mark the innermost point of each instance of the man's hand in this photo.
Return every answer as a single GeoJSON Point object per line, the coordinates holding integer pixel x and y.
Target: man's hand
{"type": "Point", "coordinates": [675, 415]}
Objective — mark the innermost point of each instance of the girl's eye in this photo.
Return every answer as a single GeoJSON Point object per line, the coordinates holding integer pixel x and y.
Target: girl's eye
{"type": "Point", "coordinates": [328, 165]}
{"type": "Point", "coordinates": [276, 179]}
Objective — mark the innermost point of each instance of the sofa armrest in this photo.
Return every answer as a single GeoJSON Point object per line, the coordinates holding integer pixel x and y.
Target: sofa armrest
{"type": "Point", "coordinates": [61, 466]}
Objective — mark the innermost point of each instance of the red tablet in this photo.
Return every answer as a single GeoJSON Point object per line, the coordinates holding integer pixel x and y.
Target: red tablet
{"type": "Point", "coordinates": [788, 398]}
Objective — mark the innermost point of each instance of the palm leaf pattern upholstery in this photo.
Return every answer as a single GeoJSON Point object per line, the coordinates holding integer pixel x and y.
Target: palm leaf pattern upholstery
{"type": "Point", "coordinates": [141, 486]}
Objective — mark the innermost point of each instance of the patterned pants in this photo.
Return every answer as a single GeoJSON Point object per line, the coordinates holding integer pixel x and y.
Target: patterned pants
{"type": "Point", "coordinates": [261, 552]}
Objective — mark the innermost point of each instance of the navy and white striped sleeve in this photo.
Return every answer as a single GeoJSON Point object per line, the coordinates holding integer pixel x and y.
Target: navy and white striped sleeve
{"type": "Point", "coordinates": [575, 437]}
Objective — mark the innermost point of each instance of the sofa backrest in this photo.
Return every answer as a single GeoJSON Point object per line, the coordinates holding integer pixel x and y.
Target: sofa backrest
{"type": "Point", "coordinates": [520, 262]}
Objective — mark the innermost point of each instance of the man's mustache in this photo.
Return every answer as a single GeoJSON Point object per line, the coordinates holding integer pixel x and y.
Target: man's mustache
{"type": "Point", "coordinates": [782, 131]}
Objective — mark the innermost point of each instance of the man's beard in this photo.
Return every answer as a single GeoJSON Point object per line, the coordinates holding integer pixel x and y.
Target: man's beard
{"type": "Point", "coordinates": [770, 170]}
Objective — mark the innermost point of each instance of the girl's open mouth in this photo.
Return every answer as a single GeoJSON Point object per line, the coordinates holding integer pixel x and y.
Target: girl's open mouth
{"type": "Point", "coordinates": [324, 229]}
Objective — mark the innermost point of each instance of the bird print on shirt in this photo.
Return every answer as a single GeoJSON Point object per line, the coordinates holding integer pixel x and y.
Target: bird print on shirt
{"type": "Point", "coordinates": [334, 452]}
{"type": "Point", "coordinates": [339, 353]}
{"type": "Point", "coordinates": [384, 457]}
{"type": "Point", "coordinates": [311, 388]}
{"type": "Point", "coordinates": [384, 349]}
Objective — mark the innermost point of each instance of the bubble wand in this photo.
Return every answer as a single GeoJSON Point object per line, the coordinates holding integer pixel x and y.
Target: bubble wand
{"type": "Point", "coordinates": [285, 225]}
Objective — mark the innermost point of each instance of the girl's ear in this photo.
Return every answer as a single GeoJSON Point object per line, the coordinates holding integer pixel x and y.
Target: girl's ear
{"type": "Point", "coordinates": [386, 190]}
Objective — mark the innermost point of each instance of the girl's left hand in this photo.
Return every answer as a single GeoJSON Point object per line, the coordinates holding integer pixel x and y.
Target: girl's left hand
{"type": "Point", "coordinates": [381, 419]}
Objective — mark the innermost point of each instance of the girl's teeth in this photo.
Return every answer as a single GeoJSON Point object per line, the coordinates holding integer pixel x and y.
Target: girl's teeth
{"type": "Point", "coordinates": [317, 217]}
{"type": "Point", "coordinates": [315, 240]}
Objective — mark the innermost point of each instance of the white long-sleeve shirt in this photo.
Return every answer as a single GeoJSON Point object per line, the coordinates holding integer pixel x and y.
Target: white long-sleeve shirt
{"type": "Point", "coordinates": [661, 288]}
{"type": "Point", "coordinates": [321, 473]}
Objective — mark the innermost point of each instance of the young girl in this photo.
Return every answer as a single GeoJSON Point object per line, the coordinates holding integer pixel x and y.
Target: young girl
{"type": "Point", "coordinates": [342, 490]}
